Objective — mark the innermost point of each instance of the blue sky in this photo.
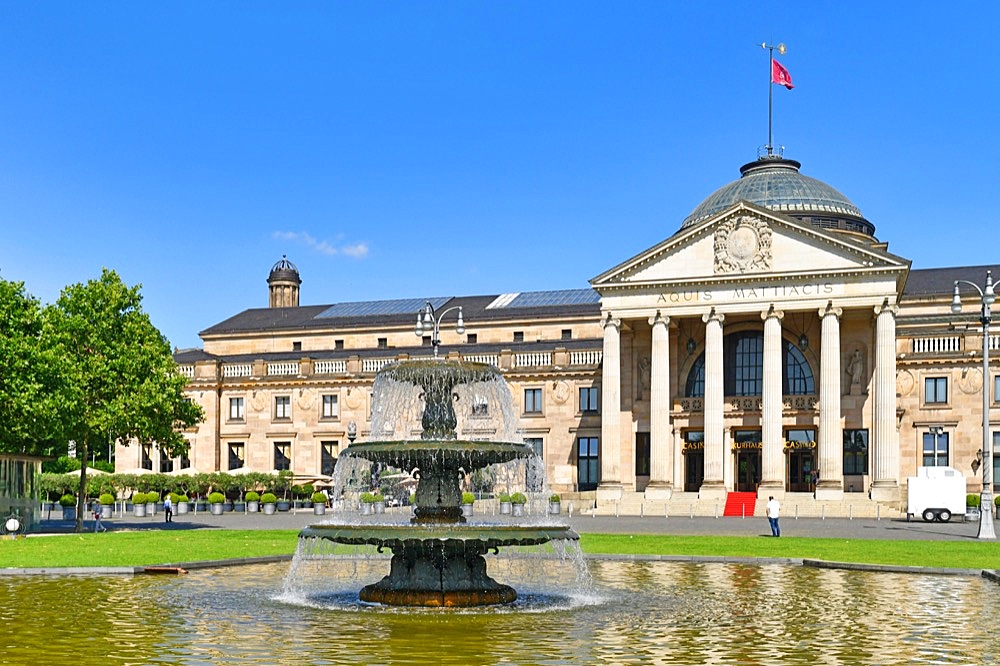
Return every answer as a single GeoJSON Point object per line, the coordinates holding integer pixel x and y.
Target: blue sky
{"type": "Point", "coordinates": [423, 149]}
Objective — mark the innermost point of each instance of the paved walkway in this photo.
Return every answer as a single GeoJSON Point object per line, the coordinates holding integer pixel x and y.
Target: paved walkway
{"type": "Point", "coordinates": [841, 528]}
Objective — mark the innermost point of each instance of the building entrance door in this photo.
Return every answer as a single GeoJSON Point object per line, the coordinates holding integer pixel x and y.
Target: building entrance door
{"type": "Point", "coordinates": [694, 470]}
{"type": "Point", "coordinates": [801, 463]}
{"type": "Point", "coordinates": [747, 470]}
{"type": "Point", "coordinates": [747, 446]}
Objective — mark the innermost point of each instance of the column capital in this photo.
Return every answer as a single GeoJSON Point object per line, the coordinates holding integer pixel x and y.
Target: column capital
{"type": "Point", "coordinates": [712, 315]}
{"type": "Point", "coordinates": [611, 321]}
{"type": "Point", "coordinates": [830, 310]}
{"type": "Point", "coordinates": [886, 307]}
{"type": "Point", "coordinates": [659, 319]}
{"type": "Point", "coordinates": [771, 312]}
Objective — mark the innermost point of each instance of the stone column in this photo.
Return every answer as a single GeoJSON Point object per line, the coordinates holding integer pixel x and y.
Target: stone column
{"type": "Point", "coordinates": [714, 485]}
{"type": "Point", "coordinates": [772, 481]}
{"type": "Point", "coordinates": [830, 443]}
{"type": "Point", "coordinates": [661, 443]}
{"type": "Point", "coordinates": [885, 472]}
{"type": "Point", "coordinates": [610, 487]}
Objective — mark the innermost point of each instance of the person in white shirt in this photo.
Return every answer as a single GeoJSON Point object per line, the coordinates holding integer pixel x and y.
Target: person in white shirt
{"type": "Point", "coordinates": [772, 515]}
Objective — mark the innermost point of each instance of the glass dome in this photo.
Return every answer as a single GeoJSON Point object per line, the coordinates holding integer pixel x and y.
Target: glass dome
{"type": "Point", "coordinates": [775, 183]}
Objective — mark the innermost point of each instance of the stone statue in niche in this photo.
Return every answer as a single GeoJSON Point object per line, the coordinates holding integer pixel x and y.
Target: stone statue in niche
{"type": "Point", "coordinates": [855, 370]}
{"type": "Point", "coordinates": [642, 389]}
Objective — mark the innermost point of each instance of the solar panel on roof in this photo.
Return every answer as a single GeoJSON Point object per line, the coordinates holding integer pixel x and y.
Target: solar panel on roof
{"type": "Point", "coordinates": [376, 308]}
{"type": "Point", "coordinates": [534, 299]}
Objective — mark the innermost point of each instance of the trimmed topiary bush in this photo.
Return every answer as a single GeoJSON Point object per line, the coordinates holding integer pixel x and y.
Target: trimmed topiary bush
{"type": "Point", "coordinates": [106, 499]}
{"type": "Point", "coordinates": [252, 496]}
{"type": "Point", "coordinates": [67, 500]}
{"type": "Point", "coordinates": [518, 498]}
{"type": "Point", "coordinates": [319, 498]}
{"type": "Point", "coordinates": [972, 500]}
{"type": "Point", "coordinates": [268, 498]}
{"type": "Point", "coordinates": [216, 498]}
{"type": "Point", "coordinates": [468, 498]}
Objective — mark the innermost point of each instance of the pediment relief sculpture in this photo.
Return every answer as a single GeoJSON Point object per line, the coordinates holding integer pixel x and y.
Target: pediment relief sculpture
{"type": "Point", "coordinates": [742, 245]}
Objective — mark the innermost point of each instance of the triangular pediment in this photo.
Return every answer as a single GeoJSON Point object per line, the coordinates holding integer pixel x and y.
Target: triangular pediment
{"type": "Point", "coordinates": [749, 242]}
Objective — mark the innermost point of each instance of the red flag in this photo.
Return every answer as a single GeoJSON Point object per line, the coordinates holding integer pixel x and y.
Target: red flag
{"type": "Point", "coordinates": [780, 75]}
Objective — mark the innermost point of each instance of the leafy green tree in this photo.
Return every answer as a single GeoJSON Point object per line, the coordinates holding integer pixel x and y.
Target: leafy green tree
{"type": "Point", "coordinates": [31, 376]}
{"type": "Point", "coordinates": [122, 381]}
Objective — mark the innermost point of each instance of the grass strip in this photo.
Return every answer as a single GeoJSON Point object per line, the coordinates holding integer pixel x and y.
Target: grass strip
{"type": "Point", "coordinates": [122, 549]}
{"type": "Point", "coordinates": [947, 554]}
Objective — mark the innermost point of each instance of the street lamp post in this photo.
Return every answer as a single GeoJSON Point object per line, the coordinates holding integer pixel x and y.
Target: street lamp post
{"type": "Point", "coordinates": [987, 297]}
{"type": "Point", "coordinates": [429, 321]}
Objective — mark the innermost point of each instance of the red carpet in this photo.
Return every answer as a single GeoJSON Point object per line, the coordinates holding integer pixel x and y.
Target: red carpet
{"type": "Point", "coordinates": [740, 504]}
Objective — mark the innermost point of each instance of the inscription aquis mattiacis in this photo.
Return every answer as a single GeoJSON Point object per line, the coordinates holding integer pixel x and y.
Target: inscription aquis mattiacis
{"type": "Point", "coordinates": [767, 292]}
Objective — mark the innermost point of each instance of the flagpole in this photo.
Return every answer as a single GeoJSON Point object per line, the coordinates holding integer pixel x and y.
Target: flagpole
{"type": "Point", "coordinates": [770, 90]}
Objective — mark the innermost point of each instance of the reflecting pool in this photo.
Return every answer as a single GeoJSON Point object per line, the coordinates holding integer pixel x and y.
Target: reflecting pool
{"type": "Point", "coordinates": [635, 613]}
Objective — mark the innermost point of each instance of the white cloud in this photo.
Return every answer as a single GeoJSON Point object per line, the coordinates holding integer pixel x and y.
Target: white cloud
{"type": "Point", "coordinates": [357, 250]}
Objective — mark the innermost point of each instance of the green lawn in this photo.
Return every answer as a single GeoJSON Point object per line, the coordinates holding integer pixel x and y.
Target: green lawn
{"type": "Point", "coordinates": [170, 546]}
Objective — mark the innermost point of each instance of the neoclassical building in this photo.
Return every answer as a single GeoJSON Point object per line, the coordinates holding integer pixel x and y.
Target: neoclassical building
{"type": "Point", "coordinates": [772, 345]}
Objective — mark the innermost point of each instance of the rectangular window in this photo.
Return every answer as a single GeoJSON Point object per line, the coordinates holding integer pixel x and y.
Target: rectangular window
{"type": "Point", "coordinates": [166, 464]}
{"type": "Point", "coordinates": [935, 448]}
{"type": "Point", "coordinates": [588, 399]}
{"type": "Point", "coordinates": [642, 454]}
{"type": "Point", "coordinates": [146, 461]}
{"type": "Point", "coordinates": [185, 462]}
{"type": "Point", "coordinates": [338, 344]}
{"type": "Point", "coordinates": [237, 454]}
{"type": "Point", "coordinates": [518, 336]}
{"type": "Point", "coordinates": [856, 452]}
{"type": "Point", "coordinates": [383, 343]}
{"type": "Point", "coordinates": [536, 444]}
{"type": "Point", "coordinates": [996, 460]}
{"type": "Point", "coordinates": [588, 463]}
{"type": "Point", "coordinates": [296, 346]}
{"type": "Point", "coordinates": [567, 334]}
{"type": "Point", "coordinates": [996, 389]}
{"type": "Point", "coordinates": [282, 455]}
{"type": "Point", "coordinates": [533, 401]}
{"type": "Point", "coordinates": [331, 407]}
{"type": "Point", "coordinates": [935, 390]}
{"type": "Point", "coordinates": [237, 409]}
{"type": "Point", "coordinates": [328, 457]}
{"type": "Point", "coordinates": [282, 407]}
{"type": "Point", "coordinates": [472, 338]}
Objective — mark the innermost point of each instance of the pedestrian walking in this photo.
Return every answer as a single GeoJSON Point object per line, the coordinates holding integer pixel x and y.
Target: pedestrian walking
{"type": "Point", "coordinates": [773, 509]}
{"type": "Point", "coordinates": [168, 509]}
{"type": "Point", "coordinates": [98, 524]}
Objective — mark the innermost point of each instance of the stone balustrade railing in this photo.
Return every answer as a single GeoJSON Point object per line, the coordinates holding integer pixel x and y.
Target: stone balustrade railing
{"type": "Point", "coordinates": [939, 344]}
{"type": "Point", "coordinates": [372, 365]}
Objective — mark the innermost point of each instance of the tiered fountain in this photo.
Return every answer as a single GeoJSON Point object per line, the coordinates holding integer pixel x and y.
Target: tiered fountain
{"type": "Point", "coordinates": [437, 558]}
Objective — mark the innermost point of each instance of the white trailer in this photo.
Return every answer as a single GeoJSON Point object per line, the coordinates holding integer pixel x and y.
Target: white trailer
{"type": "Point", "coordinates": [935, 493]}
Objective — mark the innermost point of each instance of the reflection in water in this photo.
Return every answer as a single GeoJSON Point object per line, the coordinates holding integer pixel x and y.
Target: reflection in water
{"type": "Point", "coordinates": [644, 613]}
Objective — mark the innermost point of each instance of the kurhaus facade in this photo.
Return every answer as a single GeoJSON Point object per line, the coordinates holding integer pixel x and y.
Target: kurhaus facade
{"type": "Point", "coordinates": [771, 345]}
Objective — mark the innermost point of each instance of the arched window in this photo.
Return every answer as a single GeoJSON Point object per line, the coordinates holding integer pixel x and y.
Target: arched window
{"type": "Point", "coordinates": [743, 355]}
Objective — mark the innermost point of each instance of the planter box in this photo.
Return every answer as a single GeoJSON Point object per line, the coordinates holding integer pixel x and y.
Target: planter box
{"type": "Point", "coordinates": [151, 509]}
{"type": "Point", "coordinates": [239, 507]}
{"type": "Point", "coordinates": [69, 513]}
{"type": "Point", "coordinates": [227, 506]}
{"type": "Point", "coordinates": [555, 508]}
{"type": "Point", "coordinates": [139, 510]}
{"type": "Point", "coordinates": [217, 509]}
{"type": "Point", "coordinates": [269, 509]}
{"type": "Point", "coordinates": [253, 507]}
{"type": "Point", "coordinates": [319, 509]}
{"type": "Point", "coordinates": [182, 507]}
{"type": "Point", "coordinates": [517, 510]}
{"type": "Point", "coordinates": [379, 507]}
{"type": "Point", "coordinates": [366, 509]}
{"type": "Point", "coordinates": [106, 510]}
{"type": "Point", "coordinates": [283, 505]}
{"type": "Point", "coordinates": [505, 508]}
{"type": "Point", "coordinates": [467, 510]}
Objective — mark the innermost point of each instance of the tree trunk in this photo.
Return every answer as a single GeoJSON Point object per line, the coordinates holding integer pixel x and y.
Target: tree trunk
{"type": "Point", "coordinates": [81, 496]}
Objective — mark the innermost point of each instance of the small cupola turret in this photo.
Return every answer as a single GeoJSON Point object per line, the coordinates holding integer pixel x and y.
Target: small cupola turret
{"type": "Point", "coordinates": [283, 284]}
